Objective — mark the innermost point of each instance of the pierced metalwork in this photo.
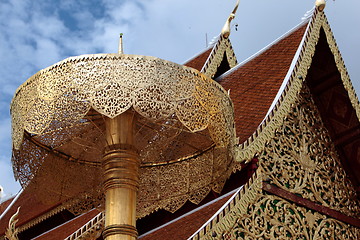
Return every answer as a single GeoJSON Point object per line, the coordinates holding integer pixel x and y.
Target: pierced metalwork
{"type": "Point", "coordinates": [184, 127]}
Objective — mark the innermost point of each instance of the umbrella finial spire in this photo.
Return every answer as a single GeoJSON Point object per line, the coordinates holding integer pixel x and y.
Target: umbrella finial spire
{"type": "Point", "coordinates": [120, 48]}
{"type": "Point", "coordinates": [225, 32]}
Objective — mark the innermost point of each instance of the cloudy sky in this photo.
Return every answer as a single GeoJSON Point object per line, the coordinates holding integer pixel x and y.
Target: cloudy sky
{"type": "Point", "coordinates": [35, 34]}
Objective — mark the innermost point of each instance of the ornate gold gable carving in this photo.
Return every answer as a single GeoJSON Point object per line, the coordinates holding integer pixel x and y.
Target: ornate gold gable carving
{"type": "Point", "coordinates": [253, 214]}
{"type": "Point", "coordinates": [222, 48]}
{"type": "Point", "coordinates": [272, 217]}
{"type": "Point", "coordinates": [301, 158]}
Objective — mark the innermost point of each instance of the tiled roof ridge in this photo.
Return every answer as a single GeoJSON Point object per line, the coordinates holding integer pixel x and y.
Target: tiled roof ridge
{"type": "Point", "coordinates": [41, 217]}
{"type": "Point", "coordinates": [295, 79]}
{"type": "Point", "coordinates": [58, 226]}
{"type": "Point", "coordinates": [11, 204]}
{"type": "Point", "coordinates": [288, 95]}
{"type": "Point", "coordinates": [192, 211]}
{"type": "Point", "coordinates": [261, 51]}
{"type": "Point", "coordinates": [293, 82]}
{"type": "Point", "coordinates": [98, 220]}
{"type": "Point", "coordinates": [288, 74]}
{"type": "Point", "coordinates": [28, 223]}
{"type": "Point", "coordinates": [288, 91]}
{"type": "Point", "coordinates": [93, 225]}
{"type": "Point", "coordinates": [235, 200]}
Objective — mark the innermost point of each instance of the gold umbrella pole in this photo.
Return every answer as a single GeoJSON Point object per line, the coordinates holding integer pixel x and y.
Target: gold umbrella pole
{"type": "Point", "coordinates": [121, 180]}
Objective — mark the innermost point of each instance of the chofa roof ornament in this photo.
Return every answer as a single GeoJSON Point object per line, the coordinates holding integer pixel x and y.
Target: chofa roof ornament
{"type": "Point", "coordinates": [320, 4]}
{"type": "Point", "coordinates": [12, 231]}
{"type": "Point", "coordinates": [225, 32]}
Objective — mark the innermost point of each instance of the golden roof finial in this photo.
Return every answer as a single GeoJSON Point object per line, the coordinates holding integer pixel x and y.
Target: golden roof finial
{"type": "Point", "coordinates": [11, 231]}
{"type": "Point", "coordinates": [320, 4]}
{"type": "Point", "coordinates": [225, 32]}
{"type": "Point", "coordinates": [120, 47]}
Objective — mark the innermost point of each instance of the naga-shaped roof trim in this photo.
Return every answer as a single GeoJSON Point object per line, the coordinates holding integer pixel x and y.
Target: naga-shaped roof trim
{"type": "Point", "coordinates": [293, 82]}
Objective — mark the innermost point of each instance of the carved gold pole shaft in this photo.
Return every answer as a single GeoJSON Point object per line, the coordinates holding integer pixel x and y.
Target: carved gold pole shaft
{"type": "Point", "coordinates": [121, 180]}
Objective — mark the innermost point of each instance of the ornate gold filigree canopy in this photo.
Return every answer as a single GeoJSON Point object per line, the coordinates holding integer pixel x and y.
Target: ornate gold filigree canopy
{"type": "Point", "coordinates": [184, 128]}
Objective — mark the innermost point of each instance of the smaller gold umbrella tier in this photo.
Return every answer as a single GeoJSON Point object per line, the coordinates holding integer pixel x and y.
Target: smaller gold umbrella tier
{"type": "Point", "coordinates": [184, 129]}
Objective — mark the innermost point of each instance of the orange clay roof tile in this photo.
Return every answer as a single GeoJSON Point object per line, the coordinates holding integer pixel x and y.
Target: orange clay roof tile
{"type": "Point", "coordinates": [254, 85]}
{"type": "Point", "coordinates": [31, 208]}
{"type": "Point", "coordinates": [198, 61]}
{"type": "Point", "coordinates": [186, 226]}
{"type": "Point", "coordinates": [66, 229]}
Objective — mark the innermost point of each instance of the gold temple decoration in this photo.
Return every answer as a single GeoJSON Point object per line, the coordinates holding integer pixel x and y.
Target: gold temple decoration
{"type": "Point", "coordinates": [148, 123]}
{"type": "Point", "coordinates": [320, 4]}
{"type": "Point", "coordinates": [91, 230]}
{"type": "Point", "coordinates": [300, 159]}
{"type": "Point", "coordinates": [225, 31]}
{"type": "Point", "coordinates": [121, 48]}
{"type": "Point", "coordinates": [12, 231]}
{"type": "Point", "coordinates": [272, 217]}
{"type": "Point", "coordinates": [222, 49]}
{"type": "Point", "coordinates": [254, 144]}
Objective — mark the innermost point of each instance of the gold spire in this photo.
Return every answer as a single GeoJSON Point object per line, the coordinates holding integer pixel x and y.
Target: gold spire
{"type": "Point", "coordinates": [120, 47]}
{"type": "Point", "coordinates": [320, 4]}
{"type": "Point", "coordinates": [225, 32]}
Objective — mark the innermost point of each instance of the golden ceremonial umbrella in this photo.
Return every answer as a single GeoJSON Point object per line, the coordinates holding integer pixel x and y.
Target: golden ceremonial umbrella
{"type": "Point", "coordinates": [145, 133]}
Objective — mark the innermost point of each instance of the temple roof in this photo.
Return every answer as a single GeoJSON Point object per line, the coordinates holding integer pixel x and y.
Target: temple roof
{"type": "Point", "coordinates": [254, 83]}
{"type": "Point", "coordinates": [183, 227]}
{"type": "Point", "coordinates": [32, 211]}
{"type": "Point", "coordinates": [257, 88]}
{"type": "Point", "coordinates": [66, 229]}
{"type": "Point", "coordinates": [198, 61]}
{"type": "Point", "coordinates": [5, 204]}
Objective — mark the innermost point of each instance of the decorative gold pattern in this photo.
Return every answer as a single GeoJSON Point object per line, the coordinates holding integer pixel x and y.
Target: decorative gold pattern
{"type": "Point", "coordinates": [170, 186]}
{"type": "Point", "coordinates": [39, 219]}
{"type": "Point", "coordinates": [229, 214]}
{"type": "Point", "coordinates": [111, 84]}
{"type": "Point", "coordinates": [221, 47]}
{"type": "Point", "coordinates": [91, 230]}
{"type": "Point", "coordinates": [272, 217]}
{"type": "Point", "coordinates": [266, 130]}
{"type": "Point", "coordinates": [184, 126]}
{"type": "Point", "coordinates": [301, 158]}
{"type": "Point", "coordinates": [252, 214]}
{"type": "Point", "coordinates": [12, 231]}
